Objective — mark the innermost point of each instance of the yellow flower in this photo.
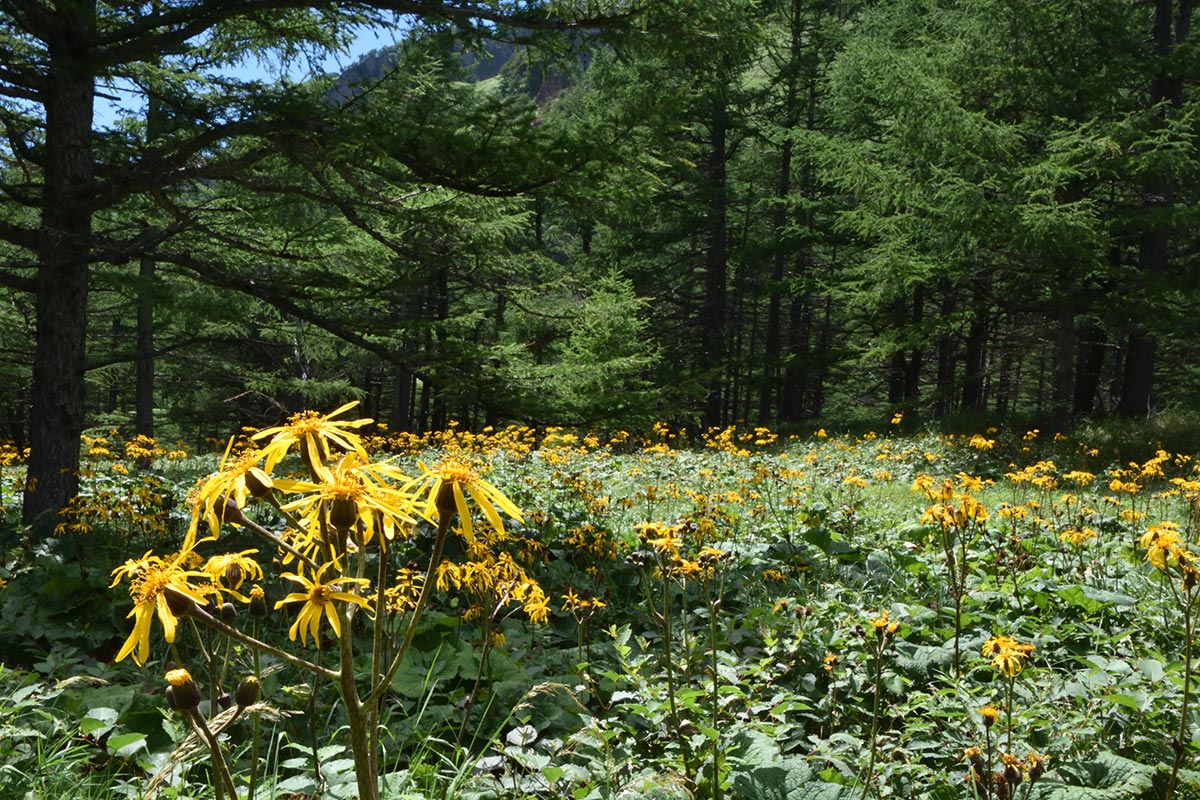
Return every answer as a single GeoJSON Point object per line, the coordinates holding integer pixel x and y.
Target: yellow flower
{"type": "Point", "coordinates": [229, 570]}
{"type": "Point", "coordinates": [353, 491]}
{"type": "Point", "coordinates": [663, 538]}
{"type": "Point", "coordinates": [990, 713]}
{"type": "Point", "coordinates": [227, 483]}
{"type": "Point", "coordinates": [883, 625]}
{"type": "Point", "coordinates": [1007, 654]}
{"type": "Point", "coordinates": [1077, 537]}
{"type": "Point", "coordinates": [536, 604]}
{"type": "Point", "coordinates": [318, 599]}
{"type": "Point", "coordinates": [314, 433]}
{"type": "Point", "coordinates": [154, 585]}
{"type": "Point", "coordinates": [455, 479]}
{"type": "Point", "coordinates": [1162, 544]}
{"type": "Point", "coordinates": [978, 442]}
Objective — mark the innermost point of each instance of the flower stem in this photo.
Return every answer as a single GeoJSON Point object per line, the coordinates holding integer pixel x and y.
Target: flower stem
{"type": "Point", "coordinates": [1180, 744]}
{"type": "Point", "coordinates": [874, 718]}
{"type": "Point", "coordinates": [224, 779]}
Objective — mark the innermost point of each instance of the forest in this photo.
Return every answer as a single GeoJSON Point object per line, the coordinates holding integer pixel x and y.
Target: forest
{"type": "Point", "coordinates": [781, 399]}
{"type": "Point", "coordinates": [588, 215]}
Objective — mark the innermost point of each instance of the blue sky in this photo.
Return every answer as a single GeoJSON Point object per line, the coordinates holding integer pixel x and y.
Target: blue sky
{"type": "Point", "coordinates": [116, 100]}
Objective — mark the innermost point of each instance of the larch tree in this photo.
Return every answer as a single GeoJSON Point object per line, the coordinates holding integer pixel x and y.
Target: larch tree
{"type": "Point", "coordinates": [68, 185]}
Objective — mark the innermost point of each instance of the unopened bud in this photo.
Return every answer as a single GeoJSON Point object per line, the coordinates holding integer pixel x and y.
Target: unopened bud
{"type": "Point", "coordinates": [182, 692]}
{"type": "Point", "coordinates": [258, 603]}
{"type": "Point", "coordinates": [247, 692]}
{"type": "Point", "coordinates": [228, 511]}
{"type": "Point", "coordinates": [259, 483]}
{"type": "Point", "coordinates": [229, 612]}
{"type": "Point", "coordinates": [445, 502]}
{"type": "Point", "coordinates": [178, 602]}
{"type": "Point", "coordinates": [343, 513]}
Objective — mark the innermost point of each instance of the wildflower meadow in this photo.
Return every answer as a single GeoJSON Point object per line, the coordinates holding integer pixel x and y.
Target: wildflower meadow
{"type": "Point", "coordinates": [325, 609]}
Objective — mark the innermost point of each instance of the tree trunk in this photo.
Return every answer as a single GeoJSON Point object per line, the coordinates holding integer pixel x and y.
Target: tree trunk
{"type": "Point", "coordinates": [946, 351]}
{"type": "Point", "coordinates": [772, 347]}
{"type": "Point", "coordinates": [402, 386]}
{"type": "Point", "coordinates": [898, 364]}
{"type": "Point", "coordinates": [61, 287]}
{"type": "Point", "coordinates": [1172, 25]}
{"type": "Point", "coordinates": [713, 316]}
{"type": "Point", "coordinates": [143, 411]}
{"type": "Point", "coordinates": [796, 371]}
{"type": "Point", "coordinates": [823, 344]}
{"type": "Point", "coordinates": [1088, 369]}
{"type": "Point", "coordinates": [774, 336]}
{"type": "Point", "coordinates": [972, 389]}
{"type": "Point", "coordinates": [916, 356]}
{"type": "Point", "coordinates": [1063, 369]}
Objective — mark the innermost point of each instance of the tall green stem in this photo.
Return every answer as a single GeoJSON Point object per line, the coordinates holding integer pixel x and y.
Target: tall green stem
{"type": "Point", "coordinates": [713, 607]}
{"type": "Point", "coordinates": [410, 632]}
{"type": "Point", "coordinates": [879, 646]}
{"type": "Point", "coordinates": [254, 746]}
{"type": "Point", "coordinates": [224, 780]}
{"type": "Point", "coordinates": [357, 717]}
{"type": "Point", "coordinates": [1181, 738]}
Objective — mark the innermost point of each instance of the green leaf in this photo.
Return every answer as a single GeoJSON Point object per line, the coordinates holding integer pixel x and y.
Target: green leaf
{"type": "Point", "coordinates": [126, 744]}
{"type": "Point", "coordinates": [99, 720]}
{"type": "Point", "coordinates": [762, 773]}
{"type": "Point", "coordinates": [1152, 668]}
{"type": "Point", "coordinates": [1107, 777]}
{"type": "Point", "coordinates": [1091, 599]}
{"type": "Point", "coordinates": [1136, 701]}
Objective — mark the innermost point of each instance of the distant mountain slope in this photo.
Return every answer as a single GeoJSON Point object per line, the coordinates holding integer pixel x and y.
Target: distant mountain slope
{"type": "Point", "coordinates": [373, 66]}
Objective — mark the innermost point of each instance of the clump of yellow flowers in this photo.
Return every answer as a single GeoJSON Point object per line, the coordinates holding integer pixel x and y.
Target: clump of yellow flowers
{"type": "Point", "coordinates": [345, 519]}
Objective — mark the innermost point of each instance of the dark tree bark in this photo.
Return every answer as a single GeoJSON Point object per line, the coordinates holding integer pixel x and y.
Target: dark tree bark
{"type": "Point", "coordinates": [796, 370]}
{"type": "Point", "coordinates": [143, 414]}
{"type": "Point", "coordinates": [946, 351]}
{"type": "Point", "coordinates": [1063, 367]}
{"type": "Point", "coordinates": [898, 364]}
{"type": "Point", "coordinates": [973, 398]}
{"type": "Point", "coordinates": [1088, 368]}
{"type": "Point", "coordinates": [773, 344]}
{"type": "Point", "coordinates": [824, 341]}
{"type": "Point", "coordinates": [1172, 24]}
{"type": "Point", "coordinates": [716, 267]}
{"type": "Point", "coordinates": [56, 414]}
{"type": "Point", "coordinates": [916, 356]}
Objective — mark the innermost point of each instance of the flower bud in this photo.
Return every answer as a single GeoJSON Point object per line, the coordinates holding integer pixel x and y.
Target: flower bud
{"type": "Point", "coordinates": [178, 602]}
{"type": "Point", "coordinates": [229, 612]}
{"type": "Point", "coordinates": [247, 692]}
{"type": "Point", "coordinates": [343, 513]}
{"type": "Point", "coordinates": [259, 483]}
{"type": "Point", "coordinates": [258, 603]}
{"type": "Point", "coordinates": [182, 692]}
{"type": "Point", "coordinates": [445, 502]}
{"type": "Point", "coordinates": [228, 511]}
